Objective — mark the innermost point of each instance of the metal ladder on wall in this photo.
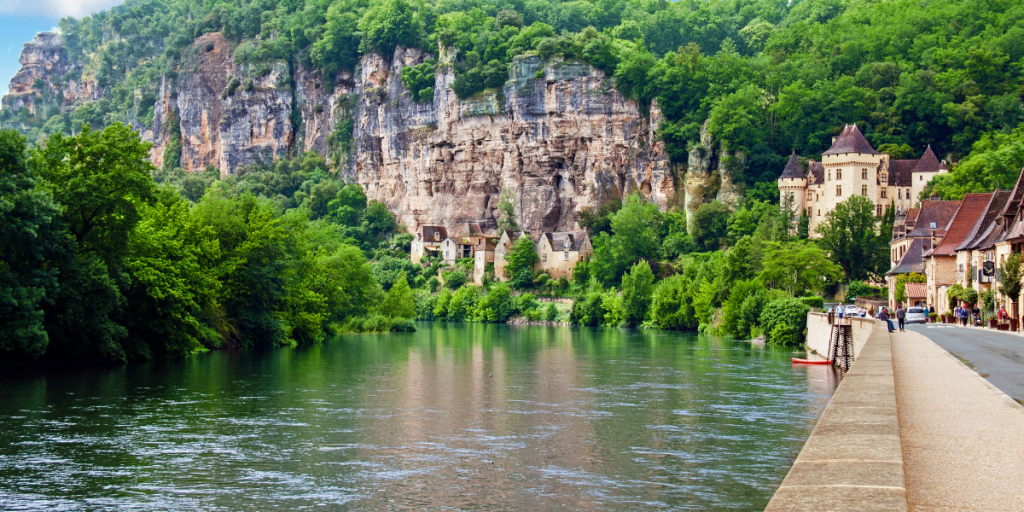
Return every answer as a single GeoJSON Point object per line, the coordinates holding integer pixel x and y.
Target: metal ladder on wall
{"type": "Point", "coordinates": [840, 346]}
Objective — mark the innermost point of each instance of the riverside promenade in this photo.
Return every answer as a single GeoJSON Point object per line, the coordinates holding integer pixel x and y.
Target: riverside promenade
{"type": "Point", "coordinates": [911, 427]}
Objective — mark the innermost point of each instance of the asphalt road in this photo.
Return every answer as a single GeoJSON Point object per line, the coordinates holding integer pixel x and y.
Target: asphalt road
{"type": "Point", "coordinates": [998, 357]}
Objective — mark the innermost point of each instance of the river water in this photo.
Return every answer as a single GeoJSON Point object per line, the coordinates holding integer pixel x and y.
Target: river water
{"type": "Point", "coordinates": [452, 417]}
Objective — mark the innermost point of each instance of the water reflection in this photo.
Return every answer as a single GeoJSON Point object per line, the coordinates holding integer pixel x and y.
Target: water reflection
{"type": "Point", "coordinates": [473, 417]}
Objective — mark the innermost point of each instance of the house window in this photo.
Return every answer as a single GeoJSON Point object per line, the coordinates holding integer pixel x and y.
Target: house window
{"type": "Point", "coordinates": [884, 177]}
{"type": "Point", "coordinates": [839, 174]}
{"type": "Point", "coordinates": [819, 212]}
{"type": "Point", "coordinates": [900, 193]}
{"type": "Point", "coordinates": [863, 174]}
{"type": "Point", "coordinates": [566, 255]}
{"type": "Point", "coordinates": [544, 258]}
{"type": "Point", "coordinates": [864, 190]}
{"type": "Point", "coordinates": [883, 192]}
{"type": "Point", "coordinates": [447, 254]}
{"type": "Point", "coordinates": [920, 177]}
{"type": "Point", "coordinates": [878, 210]}
{"type": "Point", "coordinates": [437, 236]}
{"type": "Point", "coordinates": [839, 190]}
{"type": "Point", "coordinates": [830, 175]}
{"type": "Point", "coordinates": [908, 193]}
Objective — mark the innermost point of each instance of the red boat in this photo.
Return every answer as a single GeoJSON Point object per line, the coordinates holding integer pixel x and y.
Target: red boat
{"type": "Point", "coordinates": [810, 361]}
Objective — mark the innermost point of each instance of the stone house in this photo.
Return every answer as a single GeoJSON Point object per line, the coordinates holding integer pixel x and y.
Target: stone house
{"type": "Point", "coordinates": [852, 167]}
{"type": "Point", "coordinates": [941, 267]}
{"type": "Point", "coordinates": [979, 246]}
{"type": "Point", "coordinates": [559, 252]}
{"type": "Point", "coordinates": [483, 253]}
{"type": "Point", "coordinates": [914, 235]}
{"type": "Point", "coordinates": [428, 241]}
{"type": "Point", "coordinates": [456, 248]}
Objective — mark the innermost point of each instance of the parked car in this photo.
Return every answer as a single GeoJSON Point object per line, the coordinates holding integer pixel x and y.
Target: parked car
{"type": "Point", "coordinates": [852, 310]}
{"type": "Point", "coordinates": [916, 316]}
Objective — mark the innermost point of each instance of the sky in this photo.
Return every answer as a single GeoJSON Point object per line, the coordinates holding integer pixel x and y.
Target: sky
{"type": "Point", "coordinates": [21, 19]}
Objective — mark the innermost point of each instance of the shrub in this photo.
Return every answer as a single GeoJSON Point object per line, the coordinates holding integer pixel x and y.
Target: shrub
{"type": "Point", "coordinates": [637, 290]}
{"type": "Point", "coordinates": [524, 303]}
{"type": "Point", "coordinates": [387, 269]}
{"type": "Point", "coordinates": [454, 278]}
{"type": "Point", "coordinates": [813, 301]}
{"type": "Point", "coordinates": [376, 322]}
{"type": "Point", "coordinates": [861, 289]}
{"type": "Point", "coordinates": [672, 304]}
{"type": "Point", "coordinates": [463, 304]}
{"type": "Point", "coordinates": [522, 279]}
{"type": "Point", "coordinates": [433, 284]}
{"type": "Point", "coordinates": [496, 306]}
{"type": "Point", "coordinates": [399, 301]}
{"type": "Point", "coordinates": [425, 302]}
{"type": "Point", "coordinates": [741, 310]}
{"type": "Point", "coordinates": [551, 312]}
{"type": "Point", "coordinates": [784, 320]}
{"type": "Point", "coordinates": [441, 304]}
{"type": "Point", "coordinates": [587, 308]}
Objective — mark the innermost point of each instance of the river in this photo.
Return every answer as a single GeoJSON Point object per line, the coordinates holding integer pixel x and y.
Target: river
{"type": "Point", "coordinates": [452, 417]}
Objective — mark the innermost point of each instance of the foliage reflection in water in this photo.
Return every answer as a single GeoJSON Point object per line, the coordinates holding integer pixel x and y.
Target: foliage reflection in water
{"type": "Point", "coordinates": [456, 416]}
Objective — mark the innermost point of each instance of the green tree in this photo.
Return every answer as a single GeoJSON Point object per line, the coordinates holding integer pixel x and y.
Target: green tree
{"type": "Point", "coordinates": [507, 213]}
{"type": "Point", "coordinates": [399, 301]}
{"type": "Point", "coordinates": [387, 25]}
{"type": "Point", "coordinates": [637, 290]}
{"type": "Point", "coordinates": [798, 268]}
{"type": "Point", "coordinates": [783, 321]}
{"type": "Point", "coordinates": [102, 181]}
{"type": "Point", "coordinates": [1011, 274]}
{"type": "Point", "coordinates": [29, 241]}
{"type": "Point", "coordinates": [522, 257]}
{"type": "Point", "coordinates": [852, 240]}
{"type": "Point", "coordinates": [710, 225]}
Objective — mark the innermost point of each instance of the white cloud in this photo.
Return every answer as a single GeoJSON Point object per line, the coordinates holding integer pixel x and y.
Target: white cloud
{"type": "Point", "coordinates": [55, 8]}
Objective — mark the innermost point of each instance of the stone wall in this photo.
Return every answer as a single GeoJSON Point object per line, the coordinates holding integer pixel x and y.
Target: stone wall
{"type": "Point", "coordinates": [818, 330]}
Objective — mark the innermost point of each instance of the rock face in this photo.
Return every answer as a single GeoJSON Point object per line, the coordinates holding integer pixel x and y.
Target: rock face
{"type": "Point", "coordinates": [558, 136]}
{"type": "Point", "coordinates": [48, 77]}
{"type": "Point", "coordinates": [708, 174]}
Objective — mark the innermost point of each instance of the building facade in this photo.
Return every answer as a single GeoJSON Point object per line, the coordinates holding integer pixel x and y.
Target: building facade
{"type": "Point", "coordinates": [852, 167]}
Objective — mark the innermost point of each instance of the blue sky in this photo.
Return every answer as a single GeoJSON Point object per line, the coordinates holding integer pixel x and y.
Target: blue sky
{"type": "Point", "coordinates": [21, 19]}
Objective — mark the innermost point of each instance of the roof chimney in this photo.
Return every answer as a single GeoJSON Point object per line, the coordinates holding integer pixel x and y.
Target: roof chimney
{"type": "Point", "coordinates": [935, 198]}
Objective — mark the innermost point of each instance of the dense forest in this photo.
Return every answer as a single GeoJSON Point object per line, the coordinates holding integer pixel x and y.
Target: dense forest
{"type": "Point", "coordinates": [771, 76]}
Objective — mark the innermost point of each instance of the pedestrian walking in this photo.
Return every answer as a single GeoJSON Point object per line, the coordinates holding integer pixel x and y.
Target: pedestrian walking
{"type": "Point", "coordinates": [901, 315]}
{"type": "Point", "coordinates": [964, 314]}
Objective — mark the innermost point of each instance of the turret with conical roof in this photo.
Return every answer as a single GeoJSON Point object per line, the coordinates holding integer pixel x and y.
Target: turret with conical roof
{"type": "Point", "coordinates": [793, 186]}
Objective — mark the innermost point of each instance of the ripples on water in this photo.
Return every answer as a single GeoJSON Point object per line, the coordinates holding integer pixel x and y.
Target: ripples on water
{"type": "Point", "coordinates": [454, 417]}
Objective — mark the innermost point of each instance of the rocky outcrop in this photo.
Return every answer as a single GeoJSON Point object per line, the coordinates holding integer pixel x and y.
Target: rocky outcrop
{"type": "Point", "coordinates": [558, 136]}
{"type": "Point", "coordinates": [709, 174]}
{"type": "Point", "coordinates": [47, 77]}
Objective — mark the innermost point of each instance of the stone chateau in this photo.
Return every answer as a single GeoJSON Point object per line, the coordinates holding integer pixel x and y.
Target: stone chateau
{"type": "Point", "coordinates": [852, 167]}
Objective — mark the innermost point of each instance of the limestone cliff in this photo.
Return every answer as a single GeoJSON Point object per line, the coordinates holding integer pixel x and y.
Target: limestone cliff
{"type": "Point", "coordinates": [558, 135]}
{"type": "Point", "coordinates": [48, 78]}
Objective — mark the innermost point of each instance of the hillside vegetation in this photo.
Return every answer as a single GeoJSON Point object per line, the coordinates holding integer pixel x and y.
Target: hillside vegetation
{"type": "Point", "coordinates": [770, 75]}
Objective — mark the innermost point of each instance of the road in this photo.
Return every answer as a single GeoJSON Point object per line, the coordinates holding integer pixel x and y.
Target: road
{"type": "Point", "coordinates": [997, 356]}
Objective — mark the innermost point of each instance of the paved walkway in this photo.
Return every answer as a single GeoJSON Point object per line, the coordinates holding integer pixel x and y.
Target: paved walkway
{"type": "Point", "coordinates": [963, 439]}
{"type": "Point", "coordinates": [997, 356]}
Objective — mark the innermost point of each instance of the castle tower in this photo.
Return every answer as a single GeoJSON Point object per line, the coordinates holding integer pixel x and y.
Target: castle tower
{"type": "Point", "coordinates": [854, 168]}
{"type": "Point", "coordinates": [793, 187]}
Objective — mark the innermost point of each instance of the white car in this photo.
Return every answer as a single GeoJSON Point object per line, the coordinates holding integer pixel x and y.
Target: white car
{"type": "Point", "coordinates": [916, 315]}
{"type": "Point", "coordinates": [852, 310]}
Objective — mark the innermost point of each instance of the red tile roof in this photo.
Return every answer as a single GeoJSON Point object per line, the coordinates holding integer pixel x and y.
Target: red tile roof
{"type": "Point", "coordinates": [934, 215]}
{"type": "Point", "coordinates": [917, 290]}
{"type": "Point", "coordinates": [971, 207]}
{"type": "Point", "coordinates": [986, 222]}
{"type": "Point", "coordinates": [851, 141]}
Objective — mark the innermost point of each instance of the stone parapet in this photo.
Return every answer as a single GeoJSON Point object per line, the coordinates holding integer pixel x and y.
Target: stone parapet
{"type": "Point", "coordinates": [818, 331]}
{"type": "Point", "coordinates": [853, 460]}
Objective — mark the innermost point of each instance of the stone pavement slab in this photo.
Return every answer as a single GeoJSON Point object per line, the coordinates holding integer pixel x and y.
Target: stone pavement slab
{"type": "Point", "coordinates": [962, 438]}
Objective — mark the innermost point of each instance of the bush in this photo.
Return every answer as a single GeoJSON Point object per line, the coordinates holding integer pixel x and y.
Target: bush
{"type": "Point", "coordinates": [784, 320]}
{"type": "Point", "coordinates": [425, 302]}
{"type": "Point", "coordinates": [814, 302]}
{"type": "Point", "coordinates": [441, 301]}
{"type": "Point", "coordinates": [522, 279]}
{"type": "Point", "coordinates": [861, 289]}
{"type": "Point", "coordinates": [672, 304]}
{"type": "Point", "coordinates": [637, 290]}
{"type": "Point", "coordinates": [524, 303]}
{"type": "Point", "coordinates": [376, 322]}
{"type": "Point", "coordinates": [587, 309]}
{"type": "Point", "coordinates": [463, 304]}
{"type": "Point", "coordinates": [399, 301]}
{"type": "Point", "coordinates": [742, 309]}
{"type": "Point", "coordinates": [551, 312]}
{"type": "Point", "coordinates": [496, 306]}
{"type": "Point", "coordinates": [454, 278]}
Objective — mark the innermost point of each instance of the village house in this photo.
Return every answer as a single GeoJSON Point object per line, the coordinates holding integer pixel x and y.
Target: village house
{"type": "Point", "coordinates": [914, 235]}
{"type": "Point", "coordinates": [427, 242]}
{"type": "Point", "coordinates": [979, 246]}
{"type": "Point", "coordinates": [463, 246]}
{"type": "Point", "coordinates": [557, 253]}
{"type": "Point", "coordinates": [853, 167]}
{"type": "Point", "coordinates": [940, 263]}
